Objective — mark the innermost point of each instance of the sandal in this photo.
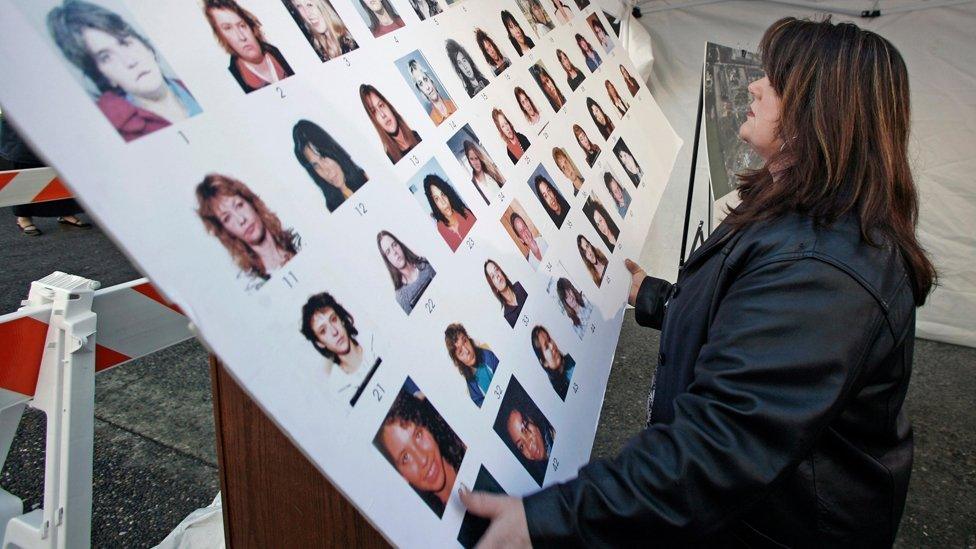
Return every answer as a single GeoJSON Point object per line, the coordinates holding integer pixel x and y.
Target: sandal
{"type": "Point", "coordinates": [77, 223]}
{"type": "Point", "coordinates": [29, 229]}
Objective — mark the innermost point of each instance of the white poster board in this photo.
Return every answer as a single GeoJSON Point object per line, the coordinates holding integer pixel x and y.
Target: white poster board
{"type": "Point", "coordinates": [326, 190]}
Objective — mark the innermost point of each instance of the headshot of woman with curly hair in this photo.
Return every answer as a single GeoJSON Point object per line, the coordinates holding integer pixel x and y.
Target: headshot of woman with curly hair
{"type": "Point", "coordinates": [527, 433]}
{"type": "Point", "coordinates": [476, 363]}
{"type": "Point", "coordinates": [465, 67]}
{"type": "Point", "coordinates": [454, 218]}
{"type": "Point", "coordinates": [492, 53]}
{"type": "Point", "coordinates": [327, 163]}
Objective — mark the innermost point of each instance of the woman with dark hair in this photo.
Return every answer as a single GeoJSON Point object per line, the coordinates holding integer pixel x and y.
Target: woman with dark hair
{"type": "Point", "coordinates": [562, 11]}
{"type": "Point", "coordinates": [323, 27]}
{"type": "Point", "coordinates": [627, 160]}
{"type": "Point", "coordinates": [469, 73]}
{"type": "Point", "coordinates": [777, 417]}
{"type": "Point", "coordinates": [616, 99]}
{"type": "Point", "coordinates": [515, 143]}
{"type": "Point", "coordinates": [592, 57]}
{"type": "Point", "coordinates": [453, 217]}
{"type": "Point", "coordinates": [254, 62]}
{"type": "Point", "coordinates": [511, 296]}
{"type": "Point", "coordinates": [574, 76]}
{"type": "Point", "coordinates": [421, 446]}
{"type": "Point", "coordinates": [632, 85]}
{"type": "Point", "coordinates": [595, 260]}
{"type": "Point", "coordinates": [492, 53]}
{"type": "Point", "coordinates": [527, 106]}
{"type": "Point", "coordinates": [568, 168]}
{"type": "Point", "coordinates": [621, 198]}
{"type": "Point", "coordinates": [381, 17]}
{"type": "Point", "coordinates": [600, 118]}
{"type": "Point", "coordinates": [136, 95]}
{"type": "Point", "coordinates": [251, 233]}
{"type": "Point", "coordinates": [409, 272]}
{"type": "Point", "coordinates": [425, 8]}
{"type": "Point", "coordinates": [602, 36]}
{"type": "Point", "coordinates": [553, 202]}
{"type": "Point", "coordinates": [548, 86]}
{"type": "Point", "coordinates": [577, 308]}
{"type": "Point", "coordinates": [582, 4]}
{"type": "Point", "coordinates": [476, 363]}
{"type": "Point", "coordinates": [516, 35]}
{"type": "Point", "coordinates": [590, 149]}
{"type": "Point", "coordinates": [394, 132]}
{"type": "Point", "coordinates": [327, 163]}
{"type": "Point", "coordinates": [526, 432]}
{"type": "Point", "coordinates": [600, 218]}
{"type": "Point", "coordinates": [483, 168]}
{"type": "Point", "coordinates": [558, 367]}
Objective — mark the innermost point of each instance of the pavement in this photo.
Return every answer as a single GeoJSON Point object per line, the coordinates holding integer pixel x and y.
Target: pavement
{"type": "Point", "coordinates": [155, 460]}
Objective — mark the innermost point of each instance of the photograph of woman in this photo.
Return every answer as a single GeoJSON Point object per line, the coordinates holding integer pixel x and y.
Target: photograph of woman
{"type": "Point", "coordinates": [453, 217]}
{"type": "Point", "coordinates": [515, 143]}
{"type": "Point", "coordinates": [485, 175]}
{"type": "Point", "coordinates": [627, 160]}
{"type": "Point", "coordinates": [600, 118]}
{"type": "Point", "coordinates": [632, 85]}
{"type": "Point", "coordinates": [577, 308]}
{"type": "Point", "coordinates": [589, 148]}
{"type": "Point", "coordinates": [563, 14]}
{"type": "Point", "coordinates": [595, 260]}
{"type": "Point", "coordinates": [602, 36]}
{"type": "Point", "coordinates": [465, 67]}
{"type": "Point", "coordinates": [525, 234]}
{"type": "Point", "coordinates": [421, 446]}
{"type": "Point", "coordinates": [331, 330]}
{"type": "Point", "coordinates": [380, 16]}
{"type": "Point", "coordinates": [510, 295]}
{"type": "Point", "coordinates": [568, 168]}
{"type": "Point", "coordinates": [616, 99]}
{"type": "Point", "coordinates": [327, 163]}
{"type": "Point", "coordinates": [600, 219]}
{"type": "Point", "coordinates": [492, 53]}
{"type": "Point", "coordinates": [251, 233]}
{"type": "Point", "coordinates": [323, 27]}
{"type": "Point", "coordinates": [427, 87]}
{"type": "Point", "coordinates": [425, 8]}
{"type": "Point", "coordinates": [537, 16]}
{"type": "Point", "coordinates": [621, 198]}
{"type": "Point", "coordinates": [582, 4]}
{"type": "Point", "coordinates": [592, 57]}
{"type": "Point", "coordinates": [548, 86]}
{"type": "Point", "coordinates": [409, 272]}
{"type": "Point", "coordinates": [254, 62]}
{"type": "Point", "coordinates": [552, 200]}
{"type": "Point", "coordinates": [526, 432]}
{"type": "Point", "coordinates": [574, 76]}
{"type": "Point", "coordinates": [559, 367]}
{"type": "Point", "coordinates": [394, 132]}
{"type": "Point", "coordinates": [136, 91]}
{"type": "Point", "coordinates": [476, 363]}
{"type": "Point", "coordinates": [520, 41]}
{"type": "Point", "coordinates": [527, 106]}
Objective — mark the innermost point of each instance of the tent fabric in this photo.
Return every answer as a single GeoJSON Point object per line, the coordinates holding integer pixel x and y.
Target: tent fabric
{"type": "Point", "coordinates": [937, 44]}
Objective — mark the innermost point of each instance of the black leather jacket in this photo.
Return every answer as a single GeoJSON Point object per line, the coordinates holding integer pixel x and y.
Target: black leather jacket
{"type": "Point", "coordinates": [785, 356]}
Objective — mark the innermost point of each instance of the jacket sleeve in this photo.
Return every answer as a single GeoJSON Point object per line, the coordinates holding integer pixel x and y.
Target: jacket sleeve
{"type": "Point", "coordinates": [784, 345]}
{"type": "Point", "coordinates": [651, 297]}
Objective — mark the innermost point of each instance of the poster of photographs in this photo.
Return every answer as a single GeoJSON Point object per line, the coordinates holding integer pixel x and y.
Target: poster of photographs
{"type": "Point", "coordinates": [400, 224]}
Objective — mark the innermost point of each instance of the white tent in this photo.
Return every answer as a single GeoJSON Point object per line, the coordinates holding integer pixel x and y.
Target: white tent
{"type": "Point", "coordinates": [938, 42]}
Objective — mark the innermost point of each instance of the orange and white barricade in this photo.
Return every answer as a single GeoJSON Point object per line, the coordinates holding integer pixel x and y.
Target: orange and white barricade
{"type": "Point", "coordinates": [48, 360]}
{"type": "Point", "coordinates": [30, 186]}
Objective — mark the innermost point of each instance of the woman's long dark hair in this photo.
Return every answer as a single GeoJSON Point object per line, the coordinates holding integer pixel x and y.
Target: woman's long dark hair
{"type": "Point", "coordinates": [845, 124]}
{"type": "Point", "coordinates": [458, 205]}
{"type": "Point", "coordinates": [607, 127]}
{"type": "Point", "coordinates": [408, 255]}
{"type": "Point", "coordinates": [307, 133]}
{"type": "Point", "coordinates": [454, 49]}
{"type": "Point", "coordinates": [508, 18]}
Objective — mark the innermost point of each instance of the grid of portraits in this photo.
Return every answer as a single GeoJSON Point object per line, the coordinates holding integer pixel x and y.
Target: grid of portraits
{"type": "Point", "coordinates": [428, 203]}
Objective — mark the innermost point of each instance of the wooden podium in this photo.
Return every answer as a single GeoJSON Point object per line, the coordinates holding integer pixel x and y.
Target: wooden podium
{"type": "Point", "coordinates": [272, 495]}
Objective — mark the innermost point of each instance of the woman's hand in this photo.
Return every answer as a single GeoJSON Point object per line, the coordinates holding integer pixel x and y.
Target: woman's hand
{"type": "Point", "coordinates": [637, 276]}
{"type": "Point", "coordinates": [507, 515]}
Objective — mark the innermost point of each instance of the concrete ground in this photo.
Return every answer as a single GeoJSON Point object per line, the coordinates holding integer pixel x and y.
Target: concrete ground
{"type": "Point", "coordinates": [154, 437]}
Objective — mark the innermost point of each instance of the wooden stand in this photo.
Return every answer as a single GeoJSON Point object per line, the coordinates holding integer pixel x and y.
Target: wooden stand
{"type": "Point", "coordinates": [272, 495]}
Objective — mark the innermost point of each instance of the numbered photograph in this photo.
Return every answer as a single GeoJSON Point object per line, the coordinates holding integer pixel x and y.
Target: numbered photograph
{"type": "Point", "coordinates": [591, 151]}
{"type": "Point", "coordinates": [574, 76]}
{"type": "Point", "coordinates": [537, 16]}
{"type": "Point", "coordinates": [417, 442]}
{"type": "Point", "coordinates": [468, 72]}
{"type": "Point", "coordinates": [426, 86]}
{"type": "Point", "coordinates": [511, 296]}
{"type": "Point", "coordinates": [572, 302]}
{"type": "Point", "coordinates": [252, 234]}
{"type": "Point", "coordinates": [410, 273]}
{"type": "Point", "coordinates": [327, 163]}
{"type": "Point", "coordinates": [473, 527]}
{"type": "Point", "coordinates": [616, 99]}
{"type": "Point", "coordinates": [395, 134]}
{"type": "Point", "coordinates": [600, 218]}
{"type": "Point", "coordinates": [600, 32]}
{"type": "Point", "coordinates": [604, 124]}
{"type": "Point", "coordinates": [516, 34]}
{"type": "Point", "coordinates": [627, 160]}
{"type": "Point", "coordinates": [562, 11]}
{"type": "Point", "coordinates": [524, 234]}
{"type": "Point", "coordinates": [441, 201]}
{"type": "Point", "coordinates": [493, 53]}
{"type": "Point", "coordinates": [474, 361]}
{"type": "Point", "coordinates": [593, 258]}
{"type": "Point", "coordinates": [486, 176]}
{"type": "Point", "coordinates": [425, 9]}
{"type": "Point", "coordinates": [325, 31]}
{"type": "Point", "coordinates": [590, 56]}
{"type": "Point", "coordinates": [550, 198]}
{"type": "Point", "coordinates": [548, 86]}
{"type": "Point", "coordinates": [558, 365]}
{"type": "Point", "coordinates": [515, 141]}
{"type": "Point", "coordinates": [379, 15]}
{"type": "Point", "coordinates": [115, 64]}
{"type": "Point", "coordinates": [568, 168]}
{"type": "Point", "coordinates": [633, 86]}
{"type": "Point", "coordinates": [530, 110]}
{"type": "Point", "coordinates": [621, 198]}
{"type": "Point", "coordinates": [525, 431]}
{"type": "Point", "coordinates": [351, 356]}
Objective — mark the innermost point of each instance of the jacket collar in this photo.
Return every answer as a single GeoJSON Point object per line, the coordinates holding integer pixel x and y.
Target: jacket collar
{"type": "Point", "coordinates": [720, 235]}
